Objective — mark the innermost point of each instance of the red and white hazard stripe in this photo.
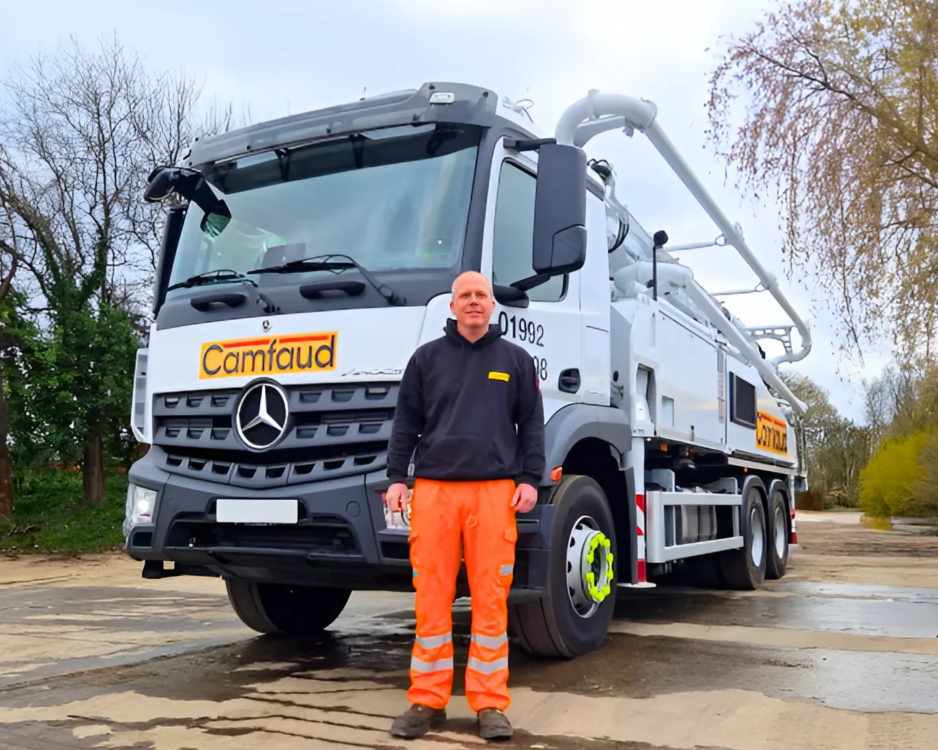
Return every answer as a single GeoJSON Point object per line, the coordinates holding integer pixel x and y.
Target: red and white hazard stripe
{"type": "Point", "coordinates": [640, 536]}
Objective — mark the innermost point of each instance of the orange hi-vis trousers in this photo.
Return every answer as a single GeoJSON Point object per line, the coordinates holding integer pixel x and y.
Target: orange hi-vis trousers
{"type": "Point", "coordinates": [480, 513]}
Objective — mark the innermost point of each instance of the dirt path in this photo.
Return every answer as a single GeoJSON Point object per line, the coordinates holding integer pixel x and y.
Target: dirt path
{"type": "Point", "coordinates": [831, 550]}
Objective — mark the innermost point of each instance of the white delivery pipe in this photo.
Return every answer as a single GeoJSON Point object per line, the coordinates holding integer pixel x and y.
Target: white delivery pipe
{"type": "Point", "coordinates": [683, 278]}
{"type": "Point", "coordinates": [597, 113]}
{"type": "Point", "coordinates": [732, 334]}
{"type": "Point", "coordinates": [618, 110]}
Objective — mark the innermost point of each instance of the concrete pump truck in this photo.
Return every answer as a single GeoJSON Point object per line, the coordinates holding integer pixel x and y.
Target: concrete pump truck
{"type": "Point", "coordinates": [303, 261]}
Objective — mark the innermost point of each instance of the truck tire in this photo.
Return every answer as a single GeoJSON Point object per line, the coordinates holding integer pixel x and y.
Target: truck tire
{"type": "Point", "coordinates": [744, 569]}
{"type": "Point", "coordinates": [778, 534]}
{"type": "Point", "coordinates": [707, 572]}
{"type": "Point", "coordinates": [284, 609]}
{"type": "Point", "coordinates": [573, 615]}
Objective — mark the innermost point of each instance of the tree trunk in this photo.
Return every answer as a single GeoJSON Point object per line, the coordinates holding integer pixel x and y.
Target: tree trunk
{"type": "Point", "coordinates": [93, 469]}
{"type": "Point", "coordinates": [6, 464]}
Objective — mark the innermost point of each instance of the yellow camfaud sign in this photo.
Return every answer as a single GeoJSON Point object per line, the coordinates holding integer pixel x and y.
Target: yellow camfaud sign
{"type": "Point", "coordinates": [268, 355]}
{"type": "Point", "coordinates": [771, 434]}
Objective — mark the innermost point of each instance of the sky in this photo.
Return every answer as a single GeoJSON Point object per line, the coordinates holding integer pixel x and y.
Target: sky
{"type": "Point", "coordinates": [281, 57]}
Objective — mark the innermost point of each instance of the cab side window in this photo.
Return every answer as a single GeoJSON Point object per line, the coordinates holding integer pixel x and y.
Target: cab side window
{"type": "Point", "coordinates": [513, 240]}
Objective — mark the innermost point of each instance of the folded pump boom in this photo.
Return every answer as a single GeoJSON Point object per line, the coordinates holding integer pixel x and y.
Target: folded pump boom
{"type": "Point", "coordinates": [597, 113]}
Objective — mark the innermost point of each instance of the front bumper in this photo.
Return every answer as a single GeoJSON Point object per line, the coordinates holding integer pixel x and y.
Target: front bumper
{"type": "Point", "coordinates": [341, 538]}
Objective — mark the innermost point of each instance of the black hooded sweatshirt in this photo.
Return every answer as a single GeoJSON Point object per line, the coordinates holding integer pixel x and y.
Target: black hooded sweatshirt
{"type": "Point", "coordinates": [473, 411]}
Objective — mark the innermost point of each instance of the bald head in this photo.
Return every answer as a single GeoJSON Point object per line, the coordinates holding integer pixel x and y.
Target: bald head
{"type": "Point", "coordinates": [472, 304]}
{"type": "Point", "coordinates": [472, 277]}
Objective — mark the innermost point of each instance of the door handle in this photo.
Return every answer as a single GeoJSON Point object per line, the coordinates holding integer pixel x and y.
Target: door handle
{"type": "Point", "coordinates": [569, 381]}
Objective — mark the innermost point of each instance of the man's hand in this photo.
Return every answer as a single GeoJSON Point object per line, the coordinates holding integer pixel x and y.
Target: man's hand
{"type": "Point", "coordinates": [396, 497]}
{"type": "Point", "coordinates": [525, 498]}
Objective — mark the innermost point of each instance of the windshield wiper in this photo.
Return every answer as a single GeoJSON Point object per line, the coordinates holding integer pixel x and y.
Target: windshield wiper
{"type": "Point", "coordinates": [325, 263]}
{"type": "Point", "coordinates": [210, 277]}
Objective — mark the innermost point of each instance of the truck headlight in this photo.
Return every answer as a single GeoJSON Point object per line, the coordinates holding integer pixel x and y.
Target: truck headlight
{"type": "Point", "coordinates": [141, 503]}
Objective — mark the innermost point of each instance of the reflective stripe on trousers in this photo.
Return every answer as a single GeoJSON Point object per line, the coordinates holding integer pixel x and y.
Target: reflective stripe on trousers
{"type": "Point", "coordinates": [487, 667]}
{"type": "Point", "coordinates": [434, 641]}
{"type": "Point", "coordinates": [449, 521]}
{"type": "Point", "coordinates": [490, 641]}
{"type": "Point", "coordinates": [431, 663]}
{"type": "Point", "coordinates": [440, 665]}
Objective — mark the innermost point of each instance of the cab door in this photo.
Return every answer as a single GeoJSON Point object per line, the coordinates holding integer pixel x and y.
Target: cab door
{"type": "Point", "coordinates": [549, 328]}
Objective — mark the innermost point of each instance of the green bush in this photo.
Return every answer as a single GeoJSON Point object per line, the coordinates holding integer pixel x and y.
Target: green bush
{"type": "Point", "coordinates": [49, 515]}
{"type": "Point", "coordinates": [889, 482]}
{"type": "Point", "coordinates": [926, 490]}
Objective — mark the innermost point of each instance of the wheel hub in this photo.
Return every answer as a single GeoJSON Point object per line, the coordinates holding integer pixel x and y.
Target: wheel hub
{"type": "Point", "coordinates": [757, 547]}
{"type": "Point", "coordinates": [589, 566]}
{"type": "Point", "coordinates": [780, 531]}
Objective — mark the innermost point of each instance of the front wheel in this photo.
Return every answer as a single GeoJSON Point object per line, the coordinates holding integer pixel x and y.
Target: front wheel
{"type": "Point", "coordinates": [285, 609]}
{"type": "Point", "coordinates": [573, 615]}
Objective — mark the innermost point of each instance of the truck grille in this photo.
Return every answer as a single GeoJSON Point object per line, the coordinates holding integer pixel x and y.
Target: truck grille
{"type": "Point", "coordinates": [335, 431]}
{"type": "Point", "coordinates": [320, 534]}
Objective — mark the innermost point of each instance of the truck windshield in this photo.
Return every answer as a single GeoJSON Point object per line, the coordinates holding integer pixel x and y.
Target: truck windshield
{"type": "Point", "coordinates": [394, 200]}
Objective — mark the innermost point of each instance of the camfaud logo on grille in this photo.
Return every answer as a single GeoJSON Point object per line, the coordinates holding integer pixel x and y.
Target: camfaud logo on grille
{"type": "Point", "coordinates": [268, 355]}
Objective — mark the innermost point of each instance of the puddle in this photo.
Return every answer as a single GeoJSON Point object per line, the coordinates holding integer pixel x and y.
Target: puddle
{"type": "Point", "coordinates": [637, 693]}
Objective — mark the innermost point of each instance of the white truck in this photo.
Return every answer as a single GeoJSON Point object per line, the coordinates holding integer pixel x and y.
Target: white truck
{"type": "Point", "coordinates": [303, 261]}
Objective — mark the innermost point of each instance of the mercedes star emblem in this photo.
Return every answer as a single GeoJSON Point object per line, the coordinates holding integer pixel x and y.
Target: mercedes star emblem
{"type": "Point", "coordinates": [265, 325]}
{"type": "Point", "coordinates": [262, 415]}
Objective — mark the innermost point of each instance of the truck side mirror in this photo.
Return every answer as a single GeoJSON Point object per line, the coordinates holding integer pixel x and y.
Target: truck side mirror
{"type": "Point", "coordinates": [159, 184]}
{"type": "Point", "coordinates": [560, 210]}
{"type": "Point", "coordinates": [189, 184]}
{"type": "Point", "coordinates": [165, 180]}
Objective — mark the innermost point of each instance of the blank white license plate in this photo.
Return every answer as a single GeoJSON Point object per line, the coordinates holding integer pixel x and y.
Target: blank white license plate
{"type": "Point", "coordinates": [257, 511]}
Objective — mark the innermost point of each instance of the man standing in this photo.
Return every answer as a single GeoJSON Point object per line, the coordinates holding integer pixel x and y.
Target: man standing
{"type": "Point", "coordinates": [470, 404]}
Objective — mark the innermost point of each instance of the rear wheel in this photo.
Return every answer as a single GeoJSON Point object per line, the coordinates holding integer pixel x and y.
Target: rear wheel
{"type": "Point", "coordinates": [745, 568]}
{"type": "Point", "coordinates": [285, 609]}
{"type": "Point", "coordinates": [573, 615]}
{"type": "Point", "coordinates": [778, 535]}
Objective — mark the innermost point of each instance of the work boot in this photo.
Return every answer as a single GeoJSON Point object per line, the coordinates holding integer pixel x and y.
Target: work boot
{"type": "Point", "coordinates": [494, 725]}
{"type": "Point", "coordinates": [417, 721]}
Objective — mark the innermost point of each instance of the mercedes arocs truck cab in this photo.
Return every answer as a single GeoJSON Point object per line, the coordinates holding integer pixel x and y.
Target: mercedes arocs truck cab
{"type": "Point", "coordinates": [305, 259]}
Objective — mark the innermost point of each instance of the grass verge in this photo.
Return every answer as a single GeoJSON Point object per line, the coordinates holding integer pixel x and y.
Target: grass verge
{"type": "Point", "coordinates": [49, 515]}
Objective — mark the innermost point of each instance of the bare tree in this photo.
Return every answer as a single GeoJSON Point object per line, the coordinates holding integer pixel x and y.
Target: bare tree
{"type": "Point", "coordinates": [836, 448]}
{"type": "Point", "coordinates": [86, 129]}
{"type": "Point", "coordinates": [877, 408]}
{"type": "Point", "coordinates": [8, 266]}
{"type": "Point", "coordinates": [902, 400]}
{"type": "Point", "coordinates": [81, 133]}
{"type": "Point", "coordinates": [926, 491]}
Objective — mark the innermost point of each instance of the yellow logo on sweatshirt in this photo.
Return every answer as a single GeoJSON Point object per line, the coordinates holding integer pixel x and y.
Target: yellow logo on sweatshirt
{"type": "Point", "coordinates": [499, 376]}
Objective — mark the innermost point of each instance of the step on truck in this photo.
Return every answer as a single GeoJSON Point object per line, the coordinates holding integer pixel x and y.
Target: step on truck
{"type": "Point", "coordinates": [304, 260]}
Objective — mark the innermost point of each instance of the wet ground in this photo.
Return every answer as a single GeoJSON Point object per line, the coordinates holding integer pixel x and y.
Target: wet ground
{"type": "Point", "coordinates": [842, 654]}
